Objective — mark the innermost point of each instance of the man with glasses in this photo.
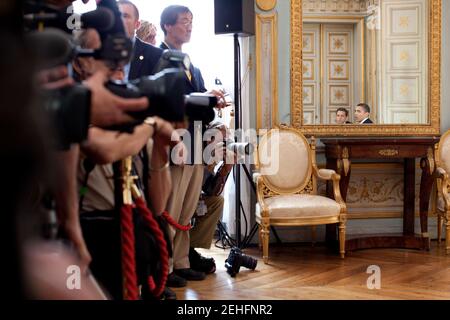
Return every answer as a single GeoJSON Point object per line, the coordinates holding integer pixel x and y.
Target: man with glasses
{"type": "Point", "coordinates": [176, 23]}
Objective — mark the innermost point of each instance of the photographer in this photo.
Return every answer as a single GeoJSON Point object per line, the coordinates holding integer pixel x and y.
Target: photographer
{"type": "Point", "coordinates": [210, 207]}
{"type": "Point", "coordinates": [105, 109]}
{"type": "Point", "coordinates": [97, 201]}
{"type": "Point", "coordinates": [176, 23]}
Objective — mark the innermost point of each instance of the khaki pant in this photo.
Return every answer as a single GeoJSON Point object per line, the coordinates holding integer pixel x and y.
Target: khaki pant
{"type": "Point", "coordinates": [186, 188]}
{"type": "Point", "coordinates": [203, 232]}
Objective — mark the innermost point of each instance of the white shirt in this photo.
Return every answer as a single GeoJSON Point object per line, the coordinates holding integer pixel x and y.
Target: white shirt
{"type": "Point", "coordinates": [364, 120]}
{"type": "Point", "coordinates": [127, 67]}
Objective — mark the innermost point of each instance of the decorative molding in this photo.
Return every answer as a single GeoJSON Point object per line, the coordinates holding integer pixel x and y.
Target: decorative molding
{"type": "Point", "coordinates": [266, 5]}
{"type": "Point", "coordinates": [266, 71]}
{"type": "Point", "coordinates": [335, 7]}
{"type": "Point", "coordinates": [388, 152]}
{"type": "Point", "coordinates": [296, 63]}
{"type": "Point", "coordinates": [434, 86]}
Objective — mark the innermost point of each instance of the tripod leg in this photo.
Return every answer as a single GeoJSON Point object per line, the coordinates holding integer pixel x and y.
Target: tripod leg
{"type": "Point", "coordinates": [249, 238]}
{"type": "Point", "coordinates": [249, 177]}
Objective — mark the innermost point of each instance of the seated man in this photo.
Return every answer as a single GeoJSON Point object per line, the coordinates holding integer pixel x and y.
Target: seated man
{"type": "Point", "coordinates": [362, 114]}
{"type": "Point", "coordinates": [210, 206]}
{"type": "Point", "coordinates": [342, 116]}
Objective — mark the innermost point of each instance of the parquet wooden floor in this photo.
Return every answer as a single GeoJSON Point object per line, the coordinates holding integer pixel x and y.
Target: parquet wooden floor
{"type": "Point", "coordinates": [304, 273]}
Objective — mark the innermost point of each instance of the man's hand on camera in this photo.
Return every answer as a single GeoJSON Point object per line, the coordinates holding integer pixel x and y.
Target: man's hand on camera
{"type": "Point", "coordinates": [221, 103]}
{"type": "Point", "coordinates": [55, 78]}
{"type": "Point", "coordinates": [222, 153]}
{"type": "Point", "coordinates": [107, 108]}
{"type": "Point", "coordinates": [166, 135]}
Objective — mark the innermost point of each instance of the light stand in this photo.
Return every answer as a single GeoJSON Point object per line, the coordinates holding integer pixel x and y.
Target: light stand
{"type": "Point", "coordinates": [237, 126]}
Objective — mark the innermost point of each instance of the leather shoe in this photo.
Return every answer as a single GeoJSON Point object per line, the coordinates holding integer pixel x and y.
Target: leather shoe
{"type": "Point", "coordinates": [190, 274]}
{"type": "Point", "coordinates": [175, 281]}
{"type": "Point", "coordinates": [168, 294]}
{"type": "Point", "coordinates": [200, 263]}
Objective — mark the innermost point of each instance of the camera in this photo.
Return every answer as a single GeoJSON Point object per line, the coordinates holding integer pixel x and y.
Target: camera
{"type": "Point", "coordinates": [236, 259]}
{"type": "Point", "coordinates": [69, 108]}
{"type": "Point", "coordinates": [165, 91]}
{"type": "Point", "coordinates": [239, 148]}
{"type": "Point", "coordinates": [64, 105]}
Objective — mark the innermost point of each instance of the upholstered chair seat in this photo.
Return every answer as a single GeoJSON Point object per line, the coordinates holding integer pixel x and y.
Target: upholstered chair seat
{"type": "Point", "coordinates": [301, 205]}
{"type": "Point", "coordinates": [287, 187]}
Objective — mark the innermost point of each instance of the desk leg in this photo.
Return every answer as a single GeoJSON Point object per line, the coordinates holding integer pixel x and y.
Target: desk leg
{"type": "Point", "coordinates": [338, 166]}
{"type": "Point", "coordinates": [409, 196]}
{"type": "Point", "coordinates": [426, 184]}
{"type": "Point", "coordinates": [330, 233]}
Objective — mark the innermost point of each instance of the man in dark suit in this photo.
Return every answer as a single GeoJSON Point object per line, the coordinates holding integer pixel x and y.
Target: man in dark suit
{"type": "Point", "coordinates": [362, 114]}
{"type": "Point", "coordinates": [145, 56]}
{"type": "Point", "coordinates": [176, 23]}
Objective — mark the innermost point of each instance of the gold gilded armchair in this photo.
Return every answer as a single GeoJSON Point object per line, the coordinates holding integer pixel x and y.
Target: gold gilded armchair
{"type": "Point", "coordinates": [442, 201]}
{"type": "Point", "coordinates": [287, 187]}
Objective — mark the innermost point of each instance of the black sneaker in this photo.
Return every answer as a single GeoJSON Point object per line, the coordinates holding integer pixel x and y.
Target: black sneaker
{"type": "Point", "coordinates": [190, 274]}
{"type": "Point", "coordinates": [175, 281]}
{"type": "Point", "coordinates": [202, 264]}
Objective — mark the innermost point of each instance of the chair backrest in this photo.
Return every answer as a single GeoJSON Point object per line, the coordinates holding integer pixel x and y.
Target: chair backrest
{"type": "Point", "coordinates": [285, 160]}
{"type": "Point", "coordinates": [443, 154]}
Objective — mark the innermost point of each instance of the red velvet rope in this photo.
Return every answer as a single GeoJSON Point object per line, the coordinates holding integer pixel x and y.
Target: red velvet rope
{"type": "Point", "coordinates": [175, 224]}
{"type": "Point", "coordinates": [130, 287]}
{"type": "Point", "coordinates": [156, 288]}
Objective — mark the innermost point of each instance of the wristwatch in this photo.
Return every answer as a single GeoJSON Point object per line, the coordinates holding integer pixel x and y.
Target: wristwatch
{"type": "Point", "coordinates": [151, 122]}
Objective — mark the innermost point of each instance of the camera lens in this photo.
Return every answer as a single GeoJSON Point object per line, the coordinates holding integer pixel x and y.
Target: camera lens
{"type": "Point", "coordinates": [249, 262]}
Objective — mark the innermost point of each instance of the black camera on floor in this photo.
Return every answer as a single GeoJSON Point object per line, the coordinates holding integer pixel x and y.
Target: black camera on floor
{"type": "Point", "coordinates": [236, 259]}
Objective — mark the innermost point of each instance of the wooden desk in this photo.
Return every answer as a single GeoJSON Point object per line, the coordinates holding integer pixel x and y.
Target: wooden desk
{"type": "Point", "coordinates": [339, 153]}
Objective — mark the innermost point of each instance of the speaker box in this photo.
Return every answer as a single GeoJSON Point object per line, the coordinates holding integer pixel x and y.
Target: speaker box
{"type": "Point", "coordinates": [235, 17]}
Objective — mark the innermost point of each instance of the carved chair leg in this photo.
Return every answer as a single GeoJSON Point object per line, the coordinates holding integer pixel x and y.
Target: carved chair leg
{"type": "Point", "coordinates": [342, 239]}
{"type": "Point", "coordinates": [440, 224]}
{"type": "Point", "coordinates": [260, 237]}
{"type": "Point", "coordinates": [447, 234]}
{"type": "Point", "coordinates": [265, 236]}
{"type": "Point", "coordinates": [313, 236]}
